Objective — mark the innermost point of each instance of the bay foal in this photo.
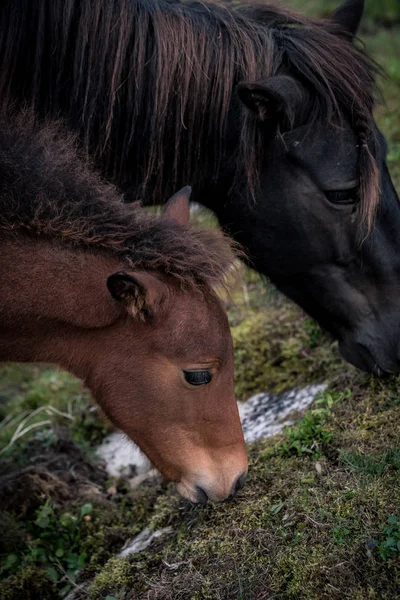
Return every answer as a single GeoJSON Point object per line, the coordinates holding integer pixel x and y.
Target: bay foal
{"type": "Point", "coordinates": [146, 331]}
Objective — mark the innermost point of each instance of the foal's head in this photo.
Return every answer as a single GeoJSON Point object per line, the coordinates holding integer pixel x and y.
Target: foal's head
{"type": "Point", "coordinates": [163, 373]}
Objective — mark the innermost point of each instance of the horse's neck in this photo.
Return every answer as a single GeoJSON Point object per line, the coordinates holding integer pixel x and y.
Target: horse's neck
{"type": "Point", "coordinates": [50, 296]}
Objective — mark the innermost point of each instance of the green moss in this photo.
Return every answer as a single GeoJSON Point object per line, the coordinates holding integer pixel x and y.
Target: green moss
{"type": "Point", "coordinates": [30, 583]}
{"type": "Point", "coordinates": [114, 576]}
{"type": "Point", "coordinates": [276, 349]}
{"type": "Point", "coordinates": [113, 523]}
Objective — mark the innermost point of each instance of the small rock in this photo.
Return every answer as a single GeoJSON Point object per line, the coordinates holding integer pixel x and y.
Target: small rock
{"type": "Point", "coordinates": [135, 482]}
{"type": "Point", "coordinates": [121, 456]}
{"type": "Point", "coordinates": [318, 468]}
{"type": "Point", "coordinates": [143, 540]}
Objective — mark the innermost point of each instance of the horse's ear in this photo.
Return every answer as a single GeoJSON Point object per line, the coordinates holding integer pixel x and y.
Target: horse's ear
{"type": "Point", "coordinates": [348, 16]}
{"type": "Point", "coordinates": [276, 100]}
{"type": "Point", "coordinates": [177, 207]}
{"type": "Point", "coordinates": [141, 293]}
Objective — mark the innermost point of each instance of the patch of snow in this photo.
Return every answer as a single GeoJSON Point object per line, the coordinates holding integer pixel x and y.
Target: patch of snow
{"type": "Point", "coordinates": [121, 456]}
{"type": "Point", "coordinates": [266, 414]}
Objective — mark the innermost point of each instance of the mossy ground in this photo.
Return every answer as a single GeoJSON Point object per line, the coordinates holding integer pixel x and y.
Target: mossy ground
{"type": "Point", "coordinates": [307, 525]}
{"type": "Point", "coordinates": [319, 515]}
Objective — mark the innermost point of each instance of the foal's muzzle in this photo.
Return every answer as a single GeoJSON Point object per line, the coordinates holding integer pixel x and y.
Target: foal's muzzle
{"type": "Point", "coordinates": [203, 495]}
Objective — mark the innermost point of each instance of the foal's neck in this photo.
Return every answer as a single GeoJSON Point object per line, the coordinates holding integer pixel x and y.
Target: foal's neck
{"type": "Point", "coordinates": [50, 297]}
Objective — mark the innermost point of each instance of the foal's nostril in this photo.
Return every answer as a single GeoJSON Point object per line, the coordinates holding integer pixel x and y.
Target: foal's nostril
{"type": "Point", "coordinates": [202, 497]}
{"type": "Point", "coordinates": [239, 483]}
{"type": "Point", "coordinates": [217, 495]}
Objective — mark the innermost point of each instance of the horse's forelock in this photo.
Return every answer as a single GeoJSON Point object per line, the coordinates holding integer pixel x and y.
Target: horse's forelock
{"type": "Point", "coordinates": [344, 79]}
{"type": "Point", "coordinates": [168, 70]}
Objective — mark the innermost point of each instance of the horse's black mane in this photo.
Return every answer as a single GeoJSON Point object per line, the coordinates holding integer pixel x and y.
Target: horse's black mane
{"type": "Point", "coordinates": [170, 69]}
{"type": "Point", "coordinates": [48, 192]}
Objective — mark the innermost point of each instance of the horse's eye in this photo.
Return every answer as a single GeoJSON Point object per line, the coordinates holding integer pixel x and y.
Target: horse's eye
{"type": "Point", "coordinates": [198, 377]}
{"type": "Point", "coordinates": [342, 196]}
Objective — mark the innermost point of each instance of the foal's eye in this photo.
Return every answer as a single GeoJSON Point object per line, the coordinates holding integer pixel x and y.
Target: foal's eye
{"type": "Point", "coordinates": [197, 377]}
{"type": "Point", "coordinates": [342, 197]}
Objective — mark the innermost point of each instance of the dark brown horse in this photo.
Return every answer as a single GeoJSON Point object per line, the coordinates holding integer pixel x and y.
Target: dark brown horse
{"type": "Point", "coordinates": [267, 113]}
{"type": "Point", "coordinates": [145, 332]}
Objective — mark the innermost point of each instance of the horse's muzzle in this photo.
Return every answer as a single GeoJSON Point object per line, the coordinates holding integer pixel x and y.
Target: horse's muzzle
{"type": "Point", "coordinates": [203, 496]}
{"type": "Point", "coordinates": [216, 491]}
{"type": "Point", "coordinates": [369, 357]}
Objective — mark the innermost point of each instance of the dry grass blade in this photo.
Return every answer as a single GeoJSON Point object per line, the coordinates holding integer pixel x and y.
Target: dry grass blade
{"type": "Point", "coordinates": [22, 428]}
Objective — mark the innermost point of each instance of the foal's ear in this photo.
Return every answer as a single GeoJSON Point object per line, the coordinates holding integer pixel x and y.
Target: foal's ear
{"type": "Point", "coordinates": [275, 101]}
{"type": "Point", "coordinates": [141, 293]}
{"type": "Point", "coordinates": [349, 15]}
{"type": "Point", "coordinates": [177, 207]}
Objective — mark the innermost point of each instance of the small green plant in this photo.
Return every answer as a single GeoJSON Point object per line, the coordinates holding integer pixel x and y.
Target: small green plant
{"type": "Point", "coordinates": [390, 544]}
{"type": "Point", "coordinates": [307, 436]}
{"type": "Point", "coordinates": [54, 545]}
{"type": "Point", "coordinates": [340, 534]}
{"type": "Point", "coordinates": [314, 332]}
{"type": "Point", "coordinates": [311, 433]}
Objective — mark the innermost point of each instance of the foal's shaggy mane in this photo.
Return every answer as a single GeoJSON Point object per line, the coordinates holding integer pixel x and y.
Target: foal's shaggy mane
{"type": "Point", "coordinates": [149, 84]}
{"type": "Point", "coordinates": [47, 191]}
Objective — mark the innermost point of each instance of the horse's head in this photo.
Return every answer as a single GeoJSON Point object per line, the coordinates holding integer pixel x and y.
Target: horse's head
{"type": "Point", "coordinates": [163, 373]}
{"type": "Point", "coordinates": [326, 224]}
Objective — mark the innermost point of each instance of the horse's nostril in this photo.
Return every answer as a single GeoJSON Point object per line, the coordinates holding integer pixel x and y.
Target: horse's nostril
{"type": "Point", "coordinates": [239, 483]}
{"type": "Point", "coordinates": [202, 497]}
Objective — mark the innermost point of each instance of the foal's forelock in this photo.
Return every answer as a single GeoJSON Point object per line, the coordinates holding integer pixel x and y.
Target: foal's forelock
{"type": "Point", "coordinates": [164, 97]}
{"type": "Point", "coordinates": [47, 191]}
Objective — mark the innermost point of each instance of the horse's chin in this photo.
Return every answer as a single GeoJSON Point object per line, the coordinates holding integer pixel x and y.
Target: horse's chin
{"type": "Point", "coordinates": [368, 360]}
